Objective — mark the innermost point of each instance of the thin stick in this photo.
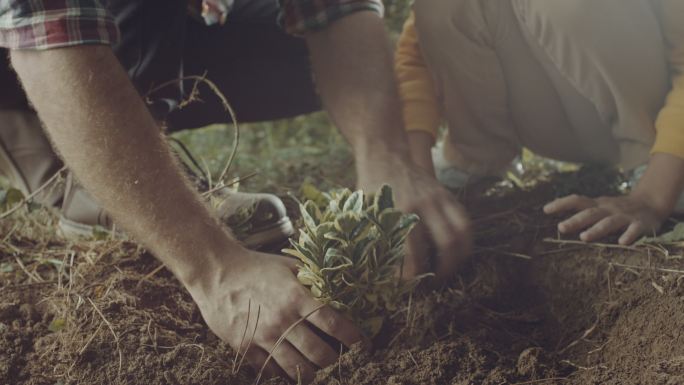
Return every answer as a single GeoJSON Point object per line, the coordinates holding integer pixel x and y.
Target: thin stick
{"type": "Point", "coordinates": [660, 269]}
{"type": "Point", "coordinates": [281, 339]}
{"type": "Point", "coordinates": [586, 334]}
{"type": "Point", "coordinates": [591, 244]}
{"type": "Point", "coordinates": [412, 358]}
{"type": "Point", "coordinates": [542, 380]}
{"type": "Point", "coordinates": [116, 337]}
{"type": "Point", "coordinates": [202, 79]}
{"type": "Point", "coordinates": [251, 339]}
{"type": "Point", "coordinates": [224, 185]}
{"type": "Point", "coordinates": [92, 337]}
{"type": "Point", "coordinates": [558, 251]}
{"type": "Point", "coordinates": [27, 199]}
{"type": "Point", "coordinates": [244, 335]}
{"type": "Point", "coordinates": [10, 233]}
{"type": "Point", "coordinates": [199, 364]}
{"type": "Point", "coordinates": [339, 365]}
{"type": "Point", "coordinates": [502, 252]}
{"type": "Point", "coordinates": [150, 274]}
{"type": "Point", "coordinates": [31, 275]}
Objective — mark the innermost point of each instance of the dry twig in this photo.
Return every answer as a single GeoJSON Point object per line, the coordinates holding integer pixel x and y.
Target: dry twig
{"type": "Point", "coordinates": [111, 328]}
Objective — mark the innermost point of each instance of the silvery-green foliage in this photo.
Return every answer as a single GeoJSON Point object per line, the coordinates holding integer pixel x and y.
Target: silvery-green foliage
{"type": "Point", "coordinates": [351, 251]}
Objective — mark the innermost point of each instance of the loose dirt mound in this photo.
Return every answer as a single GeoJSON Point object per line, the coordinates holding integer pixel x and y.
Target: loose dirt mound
{"type": "Point", "coordinates": [528, 309]}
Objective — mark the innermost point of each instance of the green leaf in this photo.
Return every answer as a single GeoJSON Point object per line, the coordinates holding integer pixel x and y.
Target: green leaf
{"type": "Point", "coordinates": [406, 224]}
{"type": "Point", "coordinates": [335, 236]}
{"type": "Point", "coordinates": [354, 203]}
{"type": "Point", "coordinates": [361, 248]}
{"type": "Point", "coordinates": [363, 230]}
{"type": "Point", "coordinates": [308, 244]}
{"type": "Point", "coordinates": [674, 236]}
{"type": "Point", "coordinates": [311, 193]}
{"type": "Point", "coordinates": [331, 256]}
{"type": "Point", "coordinates": [14, 197]}
{"type": "Point", "coordinates": [310, 214]}
{"type": "Point", "coordinates": [11, 198]}
{"type": "Point", "coordinates": [389, 219]}
{"type": "Point", "coordinates": [100, 233]}
{"type": "Point", "coordinates": [384, 199]}
{"type": "Point", "coordinates": [57, 324]}
{"type": "Point", "coordinates": [6, 267]}
{"type": "Point", "coordinates": [309, 278]}
{"type": "Point", "coordinates": [303, 254]}
{"type": "Point", "coordinates": [346, 222]}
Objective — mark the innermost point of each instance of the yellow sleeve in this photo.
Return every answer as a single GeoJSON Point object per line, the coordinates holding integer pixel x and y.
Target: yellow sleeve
{"type": "Point", "coordinates": [421, 108]}
{"type": "Point", "coordinates": [670, 123]}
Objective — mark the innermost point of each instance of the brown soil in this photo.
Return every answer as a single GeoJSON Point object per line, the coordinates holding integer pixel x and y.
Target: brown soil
{"type": "Point", "coordinates": [523, 311]}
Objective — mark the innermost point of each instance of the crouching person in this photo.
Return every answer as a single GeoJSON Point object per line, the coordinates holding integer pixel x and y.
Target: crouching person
{"type": "Point", "coordinates": [578, 81]}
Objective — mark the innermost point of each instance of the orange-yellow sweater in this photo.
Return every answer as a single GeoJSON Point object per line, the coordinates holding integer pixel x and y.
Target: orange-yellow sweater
{"type": "Point", "coordinates": [422, 111]}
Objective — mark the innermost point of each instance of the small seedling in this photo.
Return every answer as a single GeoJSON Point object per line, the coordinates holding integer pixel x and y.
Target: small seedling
{"type": "Point", "coordinates": [352, 251]}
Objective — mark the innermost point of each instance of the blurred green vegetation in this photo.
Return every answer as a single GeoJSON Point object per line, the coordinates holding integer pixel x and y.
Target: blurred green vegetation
{"type": "Point", "coordinates": [283, 153]}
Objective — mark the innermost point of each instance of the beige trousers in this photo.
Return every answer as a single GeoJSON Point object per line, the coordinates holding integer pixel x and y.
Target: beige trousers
{"type": "Point", "coordinates": [574, 80]}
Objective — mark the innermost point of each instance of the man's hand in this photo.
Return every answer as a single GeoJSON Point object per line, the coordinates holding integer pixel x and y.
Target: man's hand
{"type": "Point", "coordinates": [352, 61]}
{"type": "Point", "coordinates": [232, 294]}
{"type": "Point", "coordinates": [442, 240]}
{"type": "Point", "coordinates": [596, 218]}
{"type": "Point", "coordinates": [642, 212]}
{"type": "Point", "coordinates": [106, 135]}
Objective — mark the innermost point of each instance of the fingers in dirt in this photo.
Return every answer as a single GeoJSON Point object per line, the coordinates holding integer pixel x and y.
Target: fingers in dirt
{"type": "Point", "coordinates": [604, 227]}
{"type": "Point", "coordinates": [569, 203]}
{"type": "Point", "coordinates": [315, 349]}
{"type": "Point", "coordinates": [450, 230]}
{"type": "Point", "coordinates": [256, 358]}
{"type": "Point", "coordinates": [331, 322]}
{"type": "Point", "coordinates": [582, 220]}
{"type": "Point", "coordinates": [420, 250]}
{"type": "Point", "coordinates": [633, 232]}
{"type": "Point", "coordinates": [293, 363]}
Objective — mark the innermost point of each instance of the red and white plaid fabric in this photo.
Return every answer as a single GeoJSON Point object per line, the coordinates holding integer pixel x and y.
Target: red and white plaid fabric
{"type": "Point", "coordinates": [45, 24]}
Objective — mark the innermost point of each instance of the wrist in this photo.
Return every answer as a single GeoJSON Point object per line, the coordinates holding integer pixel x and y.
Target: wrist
{"type": "Point", "coordinates": [661, 183]}
{"type": "Point", "coordinates": [661, 204]}
{"type": "Point", "coordinates": [201, 262]}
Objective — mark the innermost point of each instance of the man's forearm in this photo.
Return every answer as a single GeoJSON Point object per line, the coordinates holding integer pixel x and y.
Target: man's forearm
{"type": "Point", "coordinates": [352, 62]}
{"type": "Point", "coordinates": [103, 130]}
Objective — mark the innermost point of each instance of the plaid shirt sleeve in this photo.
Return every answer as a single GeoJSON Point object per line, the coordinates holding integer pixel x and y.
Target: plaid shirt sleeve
{"type": "Point", "coordinates": [45, 24]}
{"type": "Point", "coordinates": [301, 16]}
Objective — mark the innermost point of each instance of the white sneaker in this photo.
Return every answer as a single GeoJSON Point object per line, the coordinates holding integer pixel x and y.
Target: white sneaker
{"type": "Point", "coordinates": [449, 175]}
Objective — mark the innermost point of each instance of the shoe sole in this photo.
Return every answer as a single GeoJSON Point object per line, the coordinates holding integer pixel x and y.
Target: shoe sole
{"type": "Point", "coordinates": [15, 178]}
{"type": "Point", "coordinates": [278, 232]}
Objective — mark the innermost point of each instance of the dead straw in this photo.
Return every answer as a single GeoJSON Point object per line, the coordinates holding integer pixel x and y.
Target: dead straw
{"type": "Point", "coordinates": [40, 189]}
{"type": "Point", "coordinates": [224, 102]}
{"type": "Point", "coordinates": [111, 328]}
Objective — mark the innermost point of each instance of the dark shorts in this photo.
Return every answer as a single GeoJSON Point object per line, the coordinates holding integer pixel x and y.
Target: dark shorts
{"type": "Point", "coordinates": [264, 73]}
